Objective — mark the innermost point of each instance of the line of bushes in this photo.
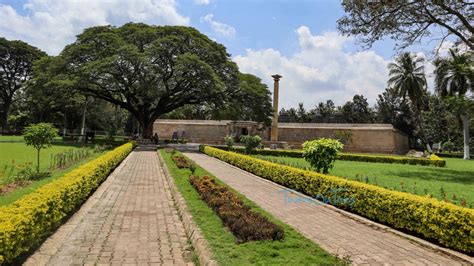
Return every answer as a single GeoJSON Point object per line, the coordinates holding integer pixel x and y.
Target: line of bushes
{"type": "Point", "coordinates": [28, 221]}
{"type": "Point", "coordinates": [245, 224]}
{"type": "Point", "coordinates": [433, 160]}
{"type": "Point", "coordinates": [441, 222]}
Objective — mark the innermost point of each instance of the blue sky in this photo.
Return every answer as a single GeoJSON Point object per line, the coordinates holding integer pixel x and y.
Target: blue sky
{"type": "Point", "coordinates": [296, 38]}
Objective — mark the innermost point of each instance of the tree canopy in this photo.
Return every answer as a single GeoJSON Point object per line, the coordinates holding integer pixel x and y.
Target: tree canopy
{"type": "Point", "coordinates": [148, 70]}
{"type": "Point", "coordinates": [408, 22]}
{"type": "Point", "coordinates": [16, 67]}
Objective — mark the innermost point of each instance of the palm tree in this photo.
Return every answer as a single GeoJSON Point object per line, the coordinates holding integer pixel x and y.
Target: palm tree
{"type": "Point", "coordinates": [407, 78]}
{"type": "Point", "coordinates": [455, 77]}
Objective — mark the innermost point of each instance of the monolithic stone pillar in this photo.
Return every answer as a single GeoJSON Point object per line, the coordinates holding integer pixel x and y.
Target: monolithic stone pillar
{"type": "Point", "coordinates": [274, 131]}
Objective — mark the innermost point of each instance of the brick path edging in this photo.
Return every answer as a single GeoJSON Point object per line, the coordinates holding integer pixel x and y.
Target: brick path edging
{"type": "Point", "coordinates": [200, 244]}
{"type": "Point", "coordinates": [451, 253]}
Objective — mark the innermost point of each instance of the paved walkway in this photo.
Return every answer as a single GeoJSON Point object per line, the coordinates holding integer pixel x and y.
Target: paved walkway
{"type": "Point", "coordinates": [333, 231]}
{"type": "Point", "coordinates": [130, 219]}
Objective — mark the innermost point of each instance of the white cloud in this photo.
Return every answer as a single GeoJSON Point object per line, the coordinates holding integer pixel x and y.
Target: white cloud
{"type": "Point", "coordinates": [320, 70]}
{"type": "Point", "coordinates": [51, 24]}
{"type": "Point", "coordinates": [219, 27]}
{"type": "Point", "coordinates": [202, 2]}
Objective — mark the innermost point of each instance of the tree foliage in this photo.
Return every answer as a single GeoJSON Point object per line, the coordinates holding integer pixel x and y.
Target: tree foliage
{"type": "Point", "coordinates": [148, 70]}
{"type": "Point", "coordinates": [40, 136]}
{"type": "Point", "coordinates": [251, 142]}
{"type": "Point", "coordinates": [357, 110]}
{"type": "Point", "coordinates": [16, 67]}
{"type": "Point", "coordinates": [322, 153]}
{"type": "Point", "coordinates": [408, 22]}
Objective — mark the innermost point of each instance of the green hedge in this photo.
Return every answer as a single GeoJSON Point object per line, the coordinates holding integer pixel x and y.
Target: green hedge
{"type": "Point", "coordinates": [434, 160]}
{"type": "Point", "coordinates": [437, 221]}
{"type": "Point", "coordinates": [28, 221]}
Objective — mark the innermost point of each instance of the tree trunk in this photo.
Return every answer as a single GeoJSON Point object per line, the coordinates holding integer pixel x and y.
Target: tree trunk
{"type": "Point", "coordinates": [6, 111]}
{"type": "Point", "coordinates": [422, 129]}
{"type": "Point", "coordinates": [38, 162]}
{"type": "Point", "coordinates": [83, 127]}
{"type": "Point", "coordinates": [465, 123]}
{"type": "Point", "coordinates": [148, 130]}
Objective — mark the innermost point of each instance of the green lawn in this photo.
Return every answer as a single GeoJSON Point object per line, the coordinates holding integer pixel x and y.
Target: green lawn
{"type": "Point", "coordinates": [11, 138]}
{"type": "Point", "coordinates": [457, 178]}
{"type": "Point", "coordinates": [20, 192]}
{"type": "Point", "coordinates": [295, 249]}
{"type": "Point", "coordinates": [19, 153]}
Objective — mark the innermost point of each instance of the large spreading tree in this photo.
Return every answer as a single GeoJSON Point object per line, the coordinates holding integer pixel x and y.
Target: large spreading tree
{"type": "Point", "coordinates": [408, 22]}
{"type": "Point", "coordinates": [16, 68]}
{"type": "Point", "coordinates": [148, 70]}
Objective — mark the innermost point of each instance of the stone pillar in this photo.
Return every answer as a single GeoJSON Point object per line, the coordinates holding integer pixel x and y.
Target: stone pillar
{"type": "Point", "coordinates": [274, 131]}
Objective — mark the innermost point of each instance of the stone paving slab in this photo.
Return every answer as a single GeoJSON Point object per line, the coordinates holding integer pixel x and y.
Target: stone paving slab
{"type": "Point", "coordinates": [130, 219]}
{"type": "Point", "coordinates": [333, 231]}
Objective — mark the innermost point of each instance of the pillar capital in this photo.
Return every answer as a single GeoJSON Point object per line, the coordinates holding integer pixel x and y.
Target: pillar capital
{"type": "Point", "coordinates": [276, 77]}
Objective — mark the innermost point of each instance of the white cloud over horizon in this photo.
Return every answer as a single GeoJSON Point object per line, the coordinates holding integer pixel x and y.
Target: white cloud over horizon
{"type": "Point", "coordinates": [50, 25]}
{"type": "Point", "coordinates": [320, 70]}
{"type": "Point", "coordinates": [219, 27]}
{"type": "Point", "coordinates": [202, 2]}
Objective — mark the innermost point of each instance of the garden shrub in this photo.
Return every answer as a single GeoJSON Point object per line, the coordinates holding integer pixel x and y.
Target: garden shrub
{"type": "Point", "coordinates": [245, 224]}
{"type": "Point", "coordinates": [438, 221]}
{"type": "Point", "coordinates": [180, 161]}
{"type": "Point", "coordinates": [229, 142]}
{"type": "Point", "coordinates": [26, 222]}
{"type": "Point", "coordinates": [351, 157]}
{"type": "Point", "coordinates": [251, 142]}
{"type": "Point", "coordinates": [321, 153]}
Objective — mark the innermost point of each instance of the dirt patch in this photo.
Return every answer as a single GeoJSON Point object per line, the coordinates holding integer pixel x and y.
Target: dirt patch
{"type": "Point", "coordinates": [5, 189]}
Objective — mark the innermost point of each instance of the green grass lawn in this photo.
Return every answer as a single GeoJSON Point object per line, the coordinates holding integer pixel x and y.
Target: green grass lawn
{"type": "Point", "coordinates": [457, 178]}
{"type": "Point", "coordinates": [295, 249]}
{"type": "Point", "coordinates": [20, 192]}
{"type": "Point", "coordinates": [19, 153]}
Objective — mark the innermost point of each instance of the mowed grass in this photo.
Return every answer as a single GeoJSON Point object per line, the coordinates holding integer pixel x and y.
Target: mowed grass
{"type": "Point", "coordinates": [456, 179]}
{"type": "Point", "coordinates": [295, 249]}
{"type": "Point", "coordinates": [19, 153]}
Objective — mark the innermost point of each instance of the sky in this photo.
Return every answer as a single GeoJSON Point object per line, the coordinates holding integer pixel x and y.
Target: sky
{"type": "Point", "coordinates": [297, 39]}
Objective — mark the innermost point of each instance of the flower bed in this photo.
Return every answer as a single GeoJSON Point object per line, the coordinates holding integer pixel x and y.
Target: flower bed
{"type": "Point", "coordinates": [180, 161]}
{"type": "Point", "coordinates": [441, 222]}
{"type": "Point", "coordinates": [28, 221]}
{"type": "Point", "coordinates": [245, 224]}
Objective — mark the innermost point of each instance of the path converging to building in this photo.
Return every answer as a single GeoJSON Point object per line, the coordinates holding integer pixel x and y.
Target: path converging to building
{"type": "Point", "coordinates": [335, 232]}
{"type": "Point", "coordinates": [130, 219]}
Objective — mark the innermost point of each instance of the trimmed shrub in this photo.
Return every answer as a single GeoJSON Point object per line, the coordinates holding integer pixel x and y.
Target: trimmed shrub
{"type": "Point", "coordinates": [245, 224]}
{"type": "Point", "coordinates": [441, 222]}
{"type": "Point", "coordinates": [229, 142]}
{"type": "Point", "coordinates": [180, 161]}
{"type": "Point", "coordinates": [434, 161]}
{"type": "Point", "coordinates": [251, 142]}
{"type": "Point", "coordinates": [321, 153]}
{"type": "Point", "coordinates": [29, 220]}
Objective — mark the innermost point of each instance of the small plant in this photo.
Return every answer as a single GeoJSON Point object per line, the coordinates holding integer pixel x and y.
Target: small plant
{"type": "Point", "coordinates": [463, 202]}
{"type": "Point", "coordinates": [414, 188]}
{"type": "Point", "coordinates": [425, 191]}
{"type": "Point", "coordinates": [402, 186]}
{"type": "Point", "coordinates": [322, 153]}
{"type": "Point", "coordinates": [192, 168]}
{"type": "Point", "coordinates": [443, 193]}
{"type": "Point", "coordinates": [180, 161]}
{"type": "Point", "coordinates": [229, 142]}
{"type": "Point", "coordinates": [40, 137]}
{"type": "Point", "coordinates": [250, 142]}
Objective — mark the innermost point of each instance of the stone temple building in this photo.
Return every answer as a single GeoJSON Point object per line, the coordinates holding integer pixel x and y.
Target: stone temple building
{"type": "Point", "coordinates": [367, 138]}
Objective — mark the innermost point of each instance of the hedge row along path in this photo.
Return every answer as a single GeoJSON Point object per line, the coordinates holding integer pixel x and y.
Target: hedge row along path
{"type": "Point", "coordinates": [130, 219]}
{"type": "Point", "coordinates": [333, 231]}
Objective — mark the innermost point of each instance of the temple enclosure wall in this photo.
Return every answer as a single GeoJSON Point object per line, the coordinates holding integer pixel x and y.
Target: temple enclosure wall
{"type": "Point", "coordinates": [367, 138]}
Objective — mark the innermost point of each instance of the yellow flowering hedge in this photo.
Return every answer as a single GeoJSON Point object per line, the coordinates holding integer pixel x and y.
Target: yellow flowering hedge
{"type": "Point", "coordinates": [433, 160]}
{"type": "Point", "coordinates": [441, 222]}
{"type": "Point", "coordinates": [26, 222]}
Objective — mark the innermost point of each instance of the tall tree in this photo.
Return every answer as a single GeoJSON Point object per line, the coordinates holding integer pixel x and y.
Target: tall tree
{"type": "Point", "coordinates": [301, 113]}
{"type": "Point", "coordinates": [408, 22]}
{"type": "Point", "coordinates": [357, 110]}
{"type": "Point", "coordinates": [393, 110]}
{"type": "Point", "coordinates": [16, 67]}
{"type": "Point", "coordinates": [407, 77]}
{"type": "Point", "coordinates": [148, 70]}
{"type": "Point", "coordinates": [455, 77]}
{"type": "Point", "coordinates": [326, 110]}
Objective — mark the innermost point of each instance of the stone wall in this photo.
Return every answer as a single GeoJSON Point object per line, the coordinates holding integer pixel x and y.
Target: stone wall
{"type": "Point", "coordinates": [369, 138]}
